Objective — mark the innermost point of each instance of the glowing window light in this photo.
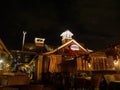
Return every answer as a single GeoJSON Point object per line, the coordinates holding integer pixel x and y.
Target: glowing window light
{"type": "Point", "coordinates": [39, 40]}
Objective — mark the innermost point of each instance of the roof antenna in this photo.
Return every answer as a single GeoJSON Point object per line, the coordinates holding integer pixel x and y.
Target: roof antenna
{"type": "Point", "coordinates": [23, 41]}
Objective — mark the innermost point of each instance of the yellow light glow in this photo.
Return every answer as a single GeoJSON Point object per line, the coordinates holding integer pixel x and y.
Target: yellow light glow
{"type": "Point", "coordinates": [115, 62]}
{"type": "Point", "coordinates": [89, 65]}
{"type": "Point", "coordinates": [1, 61]}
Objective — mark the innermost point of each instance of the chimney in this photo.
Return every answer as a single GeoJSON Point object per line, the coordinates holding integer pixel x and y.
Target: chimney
{"type": "Point", "coordinates": [39, 41]}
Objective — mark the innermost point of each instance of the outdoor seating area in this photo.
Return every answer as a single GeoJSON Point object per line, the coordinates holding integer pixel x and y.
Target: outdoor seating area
{"type": "Point", "coordinates": [113, 81]}
{"type": "Point", "coordinates": [9, 79]}
{"type": "Point", "coordinates": [73, 81]}
{"type": "Point", "coordinates": [61, 81]}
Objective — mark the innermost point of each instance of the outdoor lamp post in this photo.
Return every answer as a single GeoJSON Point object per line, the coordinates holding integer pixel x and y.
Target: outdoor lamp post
{"type": "Point", "coordinates": [116, 64]}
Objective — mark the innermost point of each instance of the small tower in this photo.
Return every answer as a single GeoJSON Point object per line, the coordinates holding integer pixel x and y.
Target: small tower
{"type": "Point", "coordinates": [66, 36]}
{"type": "Point", "coordinates": [39, 41]}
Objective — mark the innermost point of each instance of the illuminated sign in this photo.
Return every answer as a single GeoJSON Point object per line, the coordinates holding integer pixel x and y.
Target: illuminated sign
{"type": "Point", "coordinates": [74, 47]}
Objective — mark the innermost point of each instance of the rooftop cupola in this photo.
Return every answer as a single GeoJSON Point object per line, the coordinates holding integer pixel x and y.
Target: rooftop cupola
{"type": "Point", "coordinates": [66, 36]}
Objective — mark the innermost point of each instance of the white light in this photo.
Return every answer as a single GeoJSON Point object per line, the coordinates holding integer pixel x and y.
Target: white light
{"type": "Point", "coordinates": [1, 61]}
{"type": "Point", "coordinates": [115, 62]}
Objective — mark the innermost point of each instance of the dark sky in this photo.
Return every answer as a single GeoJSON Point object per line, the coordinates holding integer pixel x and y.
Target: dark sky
{"type": "Point", "coordinates": [96, 23]}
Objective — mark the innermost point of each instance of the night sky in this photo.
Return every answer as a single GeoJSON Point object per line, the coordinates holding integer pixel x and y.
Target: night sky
{"type": "Point", "coordinates": [96, 23]}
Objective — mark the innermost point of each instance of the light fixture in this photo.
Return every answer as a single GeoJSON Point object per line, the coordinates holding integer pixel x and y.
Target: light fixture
{"type": "Point", "coordinates": [1, 61]}
{"type": "Point", "coordinates": [115, 62]}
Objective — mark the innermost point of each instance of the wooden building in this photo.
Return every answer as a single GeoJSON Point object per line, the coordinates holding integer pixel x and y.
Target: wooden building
{"type": "Point", "coordinates": [100, 61]}
{"type": "Point", "coordinates": [69, 57]}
